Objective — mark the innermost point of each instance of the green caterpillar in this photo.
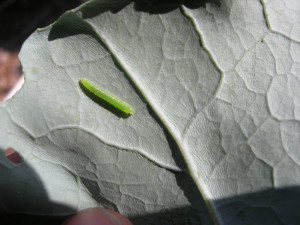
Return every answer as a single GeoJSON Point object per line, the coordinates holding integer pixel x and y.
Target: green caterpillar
{"type": "Point", "coordinates": [106, 96]}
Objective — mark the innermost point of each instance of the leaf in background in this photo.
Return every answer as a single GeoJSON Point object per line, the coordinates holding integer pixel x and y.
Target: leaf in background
{"type": "Point", "coordinates": [212, 83]}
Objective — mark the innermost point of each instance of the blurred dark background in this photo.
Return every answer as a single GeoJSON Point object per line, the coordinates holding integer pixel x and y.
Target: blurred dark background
{"type": "Point", "coordinates": [18, 19]}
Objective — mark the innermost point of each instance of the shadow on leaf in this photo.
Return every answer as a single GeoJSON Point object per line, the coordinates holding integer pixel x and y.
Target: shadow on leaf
{"type": "Point", "coordinates": [21, 184]}
{"type": "Point", "coordinates": [165, 6]}
{"type": "Point", "coordinates": [269, 207]}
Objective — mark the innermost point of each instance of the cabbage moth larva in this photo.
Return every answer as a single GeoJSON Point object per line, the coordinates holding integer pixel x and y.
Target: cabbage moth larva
{"type": "Point", "coordinates": [106, 96]}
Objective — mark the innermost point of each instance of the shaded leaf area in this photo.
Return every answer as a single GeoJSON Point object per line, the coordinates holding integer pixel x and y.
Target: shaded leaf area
{"type": "Point", "coordinates": [241, 210]}
{"type": "Point", "coordinates": [34, 196]}
{"type": "Point", "coordinates": [26, 187]}
{"type": "Point", "coordinates": [272, 206]}
{"type": "Point", "coordinates": [164, 6]}
{"type": "Point", "coordinates": [95, 8]}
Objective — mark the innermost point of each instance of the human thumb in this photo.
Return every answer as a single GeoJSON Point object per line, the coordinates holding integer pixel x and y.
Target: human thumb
{"type": "Point", "coordinates": [97, 216]}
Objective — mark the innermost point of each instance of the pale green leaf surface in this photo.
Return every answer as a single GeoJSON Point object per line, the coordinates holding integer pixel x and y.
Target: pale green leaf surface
{"type": "Point", "coordinates": [218, 85]}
